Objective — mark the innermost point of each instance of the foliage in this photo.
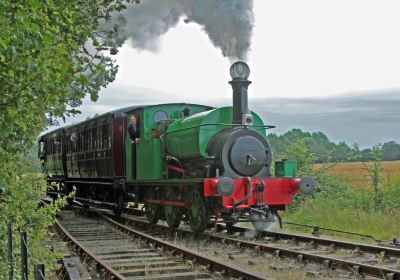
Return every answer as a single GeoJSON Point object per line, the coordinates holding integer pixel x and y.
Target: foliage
{"type": "Point", "coordinates": [391, 151]}
{"type": "Point", "coordinates": [375, 169]}
{"type": "Point", "coordinates": [30, 157]}
{"type": "Point", "coordinates": [19, 206]}
{"type": "Point", "coordinates": [390, 195]}
{"type": "Point", "coordinates": [335, 205]}
{"type": "Point", "coordinates": [345, 208]}
{"type": "Point", "coordinates": [299, 152]}
{"type": "Point", "coordinates": [52, 54]}
{"type": "Point", "coordinates": [327, 151]}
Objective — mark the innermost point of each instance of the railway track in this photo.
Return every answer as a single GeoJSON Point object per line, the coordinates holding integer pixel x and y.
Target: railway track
{"type": "Point", "coordinates": [356, 258]}
{"type": "Point", "coordinates": [121, 252]}
{"type": "Point", "coordinates": [383, 251]}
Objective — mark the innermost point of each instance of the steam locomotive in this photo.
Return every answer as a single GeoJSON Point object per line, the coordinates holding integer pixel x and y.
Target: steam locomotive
{"type": "Point", "coordinates": [186, 162]}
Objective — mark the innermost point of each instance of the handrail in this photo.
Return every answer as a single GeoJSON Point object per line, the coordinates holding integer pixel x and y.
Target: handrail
{"type": "Point", "coordinates": [223, 124]}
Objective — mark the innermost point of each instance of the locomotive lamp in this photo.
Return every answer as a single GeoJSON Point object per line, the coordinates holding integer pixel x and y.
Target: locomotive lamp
{"type": "Point", "coordinates": [240, 71]}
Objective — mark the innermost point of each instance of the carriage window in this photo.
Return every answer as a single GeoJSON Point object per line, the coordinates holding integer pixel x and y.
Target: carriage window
{"type": "Point", "coordinates": [55, 144]}
{"type": "Point", "coordinates": [94, 138]}
{"type": "Point", "coordinates": [85, 140]}
{"type": "Point", "coordinates": [105, 136]}
{"type": "Point", "coordinates": [88, 139]}
{"type": "Point", "coordinates": [160, 116]}
{"type": "Point", "coordinates": [58, 144]}
{"type": "Point", "coordinates": [81, 142]}
{"type": "Point", "coordinates": [74, 142]}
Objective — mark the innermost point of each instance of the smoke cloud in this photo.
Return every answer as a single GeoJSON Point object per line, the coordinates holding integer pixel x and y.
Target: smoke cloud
{"type": "Point", "coordinates": [228, 23]}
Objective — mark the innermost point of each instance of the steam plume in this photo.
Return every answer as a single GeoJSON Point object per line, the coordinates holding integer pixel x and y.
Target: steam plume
{"type": "Point", "coordinates": [228, 23]}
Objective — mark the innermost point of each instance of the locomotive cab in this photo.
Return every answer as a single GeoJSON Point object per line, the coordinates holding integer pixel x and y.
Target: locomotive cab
{"type": "Point", "coordinates": [150, 149]}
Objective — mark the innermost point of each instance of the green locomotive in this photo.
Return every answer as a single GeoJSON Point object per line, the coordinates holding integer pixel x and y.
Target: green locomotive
{"type": "Point", "coordinates": [181, 161]}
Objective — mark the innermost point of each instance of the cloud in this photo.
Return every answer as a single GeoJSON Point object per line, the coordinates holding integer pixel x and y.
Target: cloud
{"type": "Point", "coordinates": [118, 96]}
{"type": "Point", "coordinates": [366, 118]}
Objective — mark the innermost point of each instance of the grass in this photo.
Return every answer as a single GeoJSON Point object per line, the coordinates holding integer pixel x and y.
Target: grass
{"type": "Point", "coordinates": [328, 214]}
{"type": "Point", "coordinates": [341, 205]}
{"type": "Point", "coordinates": [355, 173]}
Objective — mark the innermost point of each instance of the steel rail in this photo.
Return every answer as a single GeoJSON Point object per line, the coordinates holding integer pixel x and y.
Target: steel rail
{"type": "Point", "coordinates": [109, 270]}
{"type": "Point", "coordinates": [367, 248]}
{"type": "Point", "coordinates": [210, 263]}
{"type": "Point", "coordinates": [329, 262]}
{"type": "Point", "coordinates": [389, 274]}
{"type": "Point", "coordinates": [386, 251]}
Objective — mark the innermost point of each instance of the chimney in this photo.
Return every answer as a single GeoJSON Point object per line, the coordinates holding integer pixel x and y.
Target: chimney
{"type": "Point", "coordinates": [240, 71]}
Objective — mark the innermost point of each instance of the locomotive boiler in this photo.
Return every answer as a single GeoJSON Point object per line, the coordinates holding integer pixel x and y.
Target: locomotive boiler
{"type": "Point", "coordinates": [186, 162]}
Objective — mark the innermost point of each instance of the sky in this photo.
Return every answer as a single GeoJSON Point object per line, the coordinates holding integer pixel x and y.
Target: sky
{"type": "Point", "coordinates": [308, 58]}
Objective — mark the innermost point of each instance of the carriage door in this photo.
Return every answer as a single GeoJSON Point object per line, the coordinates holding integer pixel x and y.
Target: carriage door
{"type": "Point", "coordinates": [131, 144]}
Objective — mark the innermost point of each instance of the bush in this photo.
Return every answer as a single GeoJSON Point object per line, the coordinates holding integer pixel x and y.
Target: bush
{"type": "Point", "coordinates": [19, 200]}
{"type": "Point", "coordinates": [328, 187]}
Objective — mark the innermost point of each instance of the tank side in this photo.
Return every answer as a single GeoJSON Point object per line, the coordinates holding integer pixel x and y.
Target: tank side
{"type": "Point", "coordinates": [183, 136]}
{"type": "Point", "coordinates": [222, 117]}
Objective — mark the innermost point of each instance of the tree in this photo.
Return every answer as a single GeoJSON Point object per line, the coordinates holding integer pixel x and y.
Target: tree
{"type": "Point", "coordinates": [52, 54]}
{"type": "Point", "coordinates": [299, 152]}
{"type": "Point", "coordinates": [356, 153]}
{"type": "Point", "coordinates": [391, 151]}
{"type": "Point", "coordinates": [367, 155]}
{"type": "Point", "coordinates": [341, 152]}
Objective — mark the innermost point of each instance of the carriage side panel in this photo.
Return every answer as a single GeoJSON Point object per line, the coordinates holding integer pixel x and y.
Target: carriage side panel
{"type": "Point", "coordinates": [118, 137]}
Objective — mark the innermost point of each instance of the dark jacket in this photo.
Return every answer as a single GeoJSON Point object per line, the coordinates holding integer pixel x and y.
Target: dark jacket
{"type": "Point", "coordinates": [134, 131]}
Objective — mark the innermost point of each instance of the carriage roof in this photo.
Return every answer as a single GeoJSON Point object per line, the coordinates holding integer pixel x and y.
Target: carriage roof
{"type": "Point", "coordinates": [118, 112]}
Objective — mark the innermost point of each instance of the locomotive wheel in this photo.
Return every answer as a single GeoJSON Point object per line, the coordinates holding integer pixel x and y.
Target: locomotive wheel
{"type": "Point", "coordinates": [173, 215]}
{"type": "Point", "coordinates": [197, 212]}
{"type": "Point", "coordinates": [153, 211]}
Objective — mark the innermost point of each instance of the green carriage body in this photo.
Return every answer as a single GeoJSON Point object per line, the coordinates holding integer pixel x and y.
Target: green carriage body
{"type": "Point", "coordinates": [149, 152]}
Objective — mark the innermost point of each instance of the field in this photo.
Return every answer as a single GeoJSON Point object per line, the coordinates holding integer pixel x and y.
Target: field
{"type": "Point", "coordinates": [347, 201]}
{"type": "Point", "coordinates": [355, 174]}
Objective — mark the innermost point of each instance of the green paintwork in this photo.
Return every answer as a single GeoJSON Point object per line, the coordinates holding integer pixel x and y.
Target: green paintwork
{"type": "Point", "coordinates": [150, 150]}
{"type": "Point", "coordinates": [149, 157]}
{"type": "Point", "coordinates": [184, 141]}
{"type": "Point", "coordinates": [285, 168]}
